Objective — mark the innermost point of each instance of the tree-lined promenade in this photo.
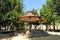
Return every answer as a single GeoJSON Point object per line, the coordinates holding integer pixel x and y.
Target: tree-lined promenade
{"type": "Point", "coordinates": [36, 24]}
{"type": "Point", "coordinates": [10, 10]}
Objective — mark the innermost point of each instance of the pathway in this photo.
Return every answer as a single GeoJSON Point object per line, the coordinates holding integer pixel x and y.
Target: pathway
{"type": "Point", "coordinates": [53, 33]}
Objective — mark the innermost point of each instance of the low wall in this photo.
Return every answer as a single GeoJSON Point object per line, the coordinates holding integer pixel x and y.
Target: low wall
{"type": "Point", "coordinates": [43, 27]}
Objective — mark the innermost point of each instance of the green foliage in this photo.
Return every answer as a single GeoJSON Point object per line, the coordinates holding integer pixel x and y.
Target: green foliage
{"type": "Point", "coordinates": [10, 10]}
{"type": "Point", "coordinates": [46, 14]}
{"type": "Point", "coordinates": [50, 11]}
{"type": "Point", "coordinates": [34, 11]}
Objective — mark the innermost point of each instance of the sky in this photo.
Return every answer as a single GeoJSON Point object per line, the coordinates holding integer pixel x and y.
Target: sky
{"type": "Point", "coordinates": [30, 4]}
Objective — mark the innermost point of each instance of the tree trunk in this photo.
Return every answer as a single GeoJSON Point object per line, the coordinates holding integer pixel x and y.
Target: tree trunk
{"type": "Point", "coordinates": [54, 25]}
{"type": "Point", "coordinates": [30, 27]}
{"type": "Point", "coordinates": [46, 27]}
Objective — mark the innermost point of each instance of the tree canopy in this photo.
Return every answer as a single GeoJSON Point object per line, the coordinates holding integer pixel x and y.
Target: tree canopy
{"type": "Point", "coordinates": [10, 10]}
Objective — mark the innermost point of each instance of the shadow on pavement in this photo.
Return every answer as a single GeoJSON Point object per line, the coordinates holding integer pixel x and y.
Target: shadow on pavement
{"type": "Point", "coordinates": [38, 33]}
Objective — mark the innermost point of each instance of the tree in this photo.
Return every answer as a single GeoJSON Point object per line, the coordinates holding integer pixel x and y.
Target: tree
{"type": "Point", "coordinates": [46, 15]}
{"type": "Point", "coordinates": [50, 12]}
{"type": "Point", "coordinates": [10, 10]}
{"type": "Point", "coordinates": [55, 11]}
{"type": "Point", "coordinates": [52, 5]}
{"type": "Point", "coordinates": [34, 11]}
